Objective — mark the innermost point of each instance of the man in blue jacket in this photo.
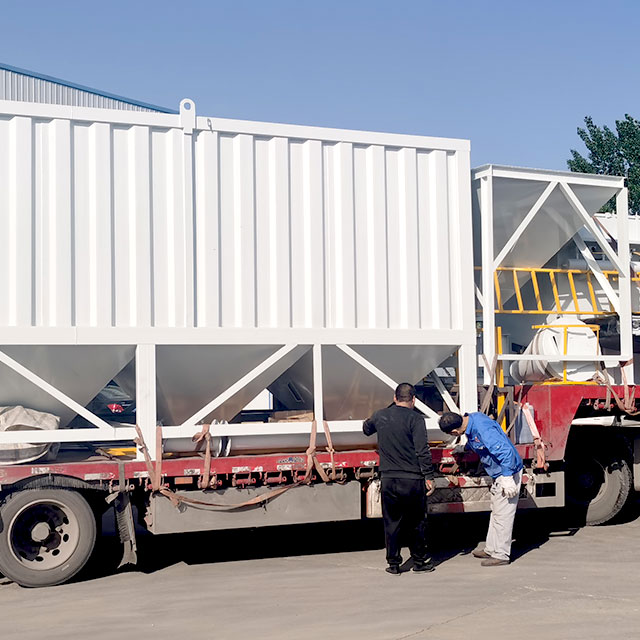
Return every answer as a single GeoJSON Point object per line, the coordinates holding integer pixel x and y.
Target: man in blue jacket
{"type": "Point", "coordinates": [503, 463]}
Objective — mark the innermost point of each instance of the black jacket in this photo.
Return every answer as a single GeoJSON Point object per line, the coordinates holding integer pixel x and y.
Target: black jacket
{"type": "Point", "coordinates": [402, 442]}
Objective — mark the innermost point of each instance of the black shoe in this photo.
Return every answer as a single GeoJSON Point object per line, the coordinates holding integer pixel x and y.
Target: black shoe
{"type": "Point", "coordinates": [423, 567]}
{"type": "Point", "coordinates": [393, 569]}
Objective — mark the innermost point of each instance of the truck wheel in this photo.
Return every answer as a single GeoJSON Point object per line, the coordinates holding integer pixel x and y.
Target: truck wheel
{"type": "Point", "coordinates": [598, 485]}
{"type": "Point", "coordinates": [47, 536]}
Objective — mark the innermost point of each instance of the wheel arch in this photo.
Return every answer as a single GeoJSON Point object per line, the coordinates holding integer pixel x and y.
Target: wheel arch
{"type": "Point", "coordinates": [93, 493]}
{"type": "Point", "coordinates": [598, 466]}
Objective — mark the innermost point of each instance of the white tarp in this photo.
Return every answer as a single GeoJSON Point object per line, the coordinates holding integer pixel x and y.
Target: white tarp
{"type": "Point", "coordinates": [18, 418]}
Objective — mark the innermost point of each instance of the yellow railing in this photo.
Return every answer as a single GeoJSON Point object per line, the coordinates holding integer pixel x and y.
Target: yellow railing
{"type": "Point", "coordinates": [554, 277]}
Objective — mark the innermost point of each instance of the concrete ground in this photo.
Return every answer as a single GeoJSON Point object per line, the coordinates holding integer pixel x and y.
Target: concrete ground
{"type": "Point", "coordinates": [328, 581]}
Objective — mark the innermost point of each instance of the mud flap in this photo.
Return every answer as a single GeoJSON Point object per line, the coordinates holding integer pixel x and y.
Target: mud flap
{"type": "Point", "coordinates": [126, 529]}
{"type": "Point", "coordinates": [124, 521]}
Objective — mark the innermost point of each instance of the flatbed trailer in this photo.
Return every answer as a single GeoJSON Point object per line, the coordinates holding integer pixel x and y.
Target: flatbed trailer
{"type": "Point", "coordinates": [555, 409]}
{"type": "Point", "coordinates": [598, 478]}
{"type": "Point", "coordinates": [200, 261]}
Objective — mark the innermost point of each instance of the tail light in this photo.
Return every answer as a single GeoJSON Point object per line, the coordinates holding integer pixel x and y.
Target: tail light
{"type": "Point", "coordinates": [115, 408]}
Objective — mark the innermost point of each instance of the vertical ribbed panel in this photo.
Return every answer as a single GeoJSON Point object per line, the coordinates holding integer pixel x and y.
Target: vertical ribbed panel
{"type": "Point", "coordinates": [132, 225]}
{"type": "Point", "coordinates": [19, 234]}
{"type": "Point", "coordinates": [207, 230]}
{"type": "Point", "coordinates": [53, 276]}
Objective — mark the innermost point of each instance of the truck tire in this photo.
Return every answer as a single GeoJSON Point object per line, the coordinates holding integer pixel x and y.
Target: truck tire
{"type": "Point", "coordinates": [47, 536]}
{"type": "Point", "coordinates": [599, 483]}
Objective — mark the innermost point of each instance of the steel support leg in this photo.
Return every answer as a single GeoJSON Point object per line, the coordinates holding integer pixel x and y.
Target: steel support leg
{"type": "Point", "coordinates": [146, 415]}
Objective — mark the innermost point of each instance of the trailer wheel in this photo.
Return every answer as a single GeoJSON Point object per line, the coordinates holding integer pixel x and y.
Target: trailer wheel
{"type": "Point", "coordinates": [47, 536]}
{"type": "Point", "coordinates": [599, 483]}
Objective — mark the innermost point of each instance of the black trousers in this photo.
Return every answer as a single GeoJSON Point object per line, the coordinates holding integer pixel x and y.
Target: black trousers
{"type": "Point", "coordinates": [404, 512]}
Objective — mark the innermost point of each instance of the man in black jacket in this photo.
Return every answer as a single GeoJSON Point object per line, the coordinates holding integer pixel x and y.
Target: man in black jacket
{"type": "Point", "coordinates": [407, 477]}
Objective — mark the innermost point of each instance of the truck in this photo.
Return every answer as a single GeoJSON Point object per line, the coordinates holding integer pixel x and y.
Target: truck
{"type": "Point", "coordinates": [193, 263]}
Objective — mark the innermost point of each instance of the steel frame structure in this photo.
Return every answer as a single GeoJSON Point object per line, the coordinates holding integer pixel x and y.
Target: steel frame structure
{"type": "Point", "coordinates": [145, 363]}
{"type": "Point", "coordinates": [188, 318]}
{"type": "Point", "coordinates": [563, 182]}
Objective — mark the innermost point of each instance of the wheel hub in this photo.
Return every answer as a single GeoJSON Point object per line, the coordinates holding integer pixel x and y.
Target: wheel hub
{"type": "Point", "coordinates": [588, 483]}
{"type": "Point", "coordinates": [40, 532]}
{"type": "Point", "coordinates": [44, 534]}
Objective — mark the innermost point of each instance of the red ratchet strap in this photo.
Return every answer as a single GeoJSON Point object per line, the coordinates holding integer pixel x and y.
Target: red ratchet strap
{"type": "Point", "coordinates": [629, 391]}
{"type": "Point", "coordinates": [486, 400]}
{"type": "Point", "coordinates": [312, 460]}
{"type": "Point", "coordinates": [155, 473]}
{"type": "Point", "coordinates": [627, 405]}
{"type": "Point", "coordinates": [204, 435]}
{"type": "Point", "coordinates": [541, 459]}
{"type": "Point", "coordinates": [155, 479]}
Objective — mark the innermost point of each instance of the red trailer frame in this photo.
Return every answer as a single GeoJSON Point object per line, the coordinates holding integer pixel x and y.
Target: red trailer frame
{"type": "Point", "coordinates": [555, 408]}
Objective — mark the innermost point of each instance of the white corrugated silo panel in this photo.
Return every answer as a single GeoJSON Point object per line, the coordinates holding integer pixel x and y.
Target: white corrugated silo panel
{"type": "Point", "coordinates": [128, 221]}
{"type": "Point", "coordinates": [327, 233]}
{"type": "Point", "coordinates": [333, 230]}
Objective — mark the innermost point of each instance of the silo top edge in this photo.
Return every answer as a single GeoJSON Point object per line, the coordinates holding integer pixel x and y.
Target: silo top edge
{"type": "Point", "coordinates": [224, 125]}
{"type": "Point", "coordinates": [507, 171]}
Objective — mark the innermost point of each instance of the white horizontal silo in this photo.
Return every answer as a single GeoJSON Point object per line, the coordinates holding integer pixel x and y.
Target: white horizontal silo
{"type": "Point", "coordinates": [231, 256]}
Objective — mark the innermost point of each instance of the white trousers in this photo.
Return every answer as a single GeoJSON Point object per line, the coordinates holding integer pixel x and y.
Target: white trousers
{"type": "Point", "coordinates": [503, 513]}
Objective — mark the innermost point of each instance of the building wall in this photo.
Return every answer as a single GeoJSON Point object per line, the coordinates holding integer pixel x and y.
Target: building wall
{"type": "Point", "coordinates": [26, 88]}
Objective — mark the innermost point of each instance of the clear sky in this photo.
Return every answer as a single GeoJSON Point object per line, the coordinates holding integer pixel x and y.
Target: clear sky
{"type": "Point", "coordinates": [514, 77]}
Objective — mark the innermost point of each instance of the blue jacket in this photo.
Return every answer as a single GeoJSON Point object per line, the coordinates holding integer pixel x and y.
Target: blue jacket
{"type": "Point", "coordinates": [497, 453]}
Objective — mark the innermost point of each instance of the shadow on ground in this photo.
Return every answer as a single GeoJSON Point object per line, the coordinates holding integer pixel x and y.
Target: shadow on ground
{"type": "Point", "coordinates": [449, 536]}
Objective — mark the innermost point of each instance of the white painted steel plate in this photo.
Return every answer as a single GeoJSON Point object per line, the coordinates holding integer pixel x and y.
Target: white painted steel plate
{"type": "Point", "coordinates": [142, 222]}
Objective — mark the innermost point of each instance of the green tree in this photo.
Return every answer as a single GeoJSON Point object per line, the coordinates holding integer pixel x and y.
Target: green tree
{"type": "Point", "coordinates": [612, 153]}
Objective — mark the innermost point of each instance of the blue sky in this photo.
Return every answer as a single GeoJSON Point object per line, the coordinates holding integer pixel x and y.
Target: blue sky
{"type": "Point", "coordinates": [516, 77]}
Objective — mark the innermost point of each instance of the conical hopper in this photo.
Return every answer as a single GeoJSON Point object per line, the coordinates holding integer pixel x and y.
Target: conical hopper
{"type": "Point", "coordinates": [79, 371]}
{"type": "Point", "coordinates": [293, 389]}
{"type": "Point", "coordinates": [351, 392]}
{"type": "Point", "coordinates": [512, 200]}
{"type": "Point", "coordinates": [549, 230]}
{"type": "Point", "coordinates": [188, 377]}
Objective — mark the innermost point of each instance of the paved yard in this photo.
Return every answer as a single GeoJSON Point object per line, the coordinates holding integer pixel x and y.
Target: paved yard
{"type": "Point", "coordinates": [328, 581]}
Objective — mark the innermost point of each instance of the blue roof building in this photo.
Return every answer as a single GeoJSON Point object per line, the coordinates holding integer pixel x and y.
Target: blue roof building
{"type": "Point", "coordinates": [28, 86]}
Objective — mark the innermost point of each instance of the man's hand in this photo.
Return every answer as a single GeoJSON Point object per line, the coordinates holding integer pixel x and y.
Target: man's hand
{"type": "Point", "coordinates": [508, 486]}
{"type": "Point", "coordinates": [431, 487]}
